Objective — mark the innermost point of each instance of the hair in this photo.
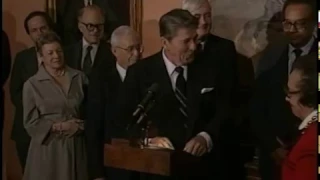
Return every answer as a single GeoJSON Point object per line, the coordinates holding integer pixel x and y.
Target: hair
{"type": "Point", "coordinates": [307, 66]}
{"type": "Point", "coordinates": [42, 14]}
{"type": "Point", "coordinates": [47, 38]}
{"type": "Point", "coordinates": [311, 3]}
{"type": "Point", "coordinates": [92, 7]}
{"type": "Point", "coordinates": [120, 32]}
{"type": "Point", "coordinates": [174, 20]}
{"type": "Point", "coordinates": [193, 4]}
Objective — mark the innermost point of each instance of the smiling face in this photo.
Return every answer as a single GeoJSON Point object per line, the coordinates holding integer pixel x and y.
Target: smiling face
{"type": "Point", "coordinates": [52, 55]}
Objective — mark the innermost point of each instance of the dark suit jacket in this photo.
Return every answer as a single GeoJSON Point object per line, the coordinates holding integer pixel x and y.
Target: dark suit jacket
{"type": "Point", "coordinates": [103, 58]}
{"type": "Point", "coordinates": [101, 107]}
{"type": "Point", "coordinates": [24, 66]}
{"type": "Point", "coordinates": [206, 111]}
{"type": "Point", "coordinates": [67, 22]}
{"type": "Point", "coordinates": [6, 59]}
{"type": "Point", "coordinates": [271, 115]}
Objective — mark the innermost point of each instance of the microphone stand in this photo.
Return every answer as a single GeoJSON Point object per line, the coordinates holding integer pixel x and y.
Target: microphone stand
{"type": "Point", "coordinates": [142, 126]}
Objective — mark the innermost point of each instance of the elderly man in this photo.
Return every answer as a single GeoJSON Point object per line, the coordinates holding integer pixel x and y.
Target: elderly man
{"type": "Point", "coordinates": [104, 89]}
{"type": "Point", "coordinates": [25, 65]}
{"type": "Point", "coordinates": [191, 101]}
{"type": "Point", "coordinates": [90, 52]}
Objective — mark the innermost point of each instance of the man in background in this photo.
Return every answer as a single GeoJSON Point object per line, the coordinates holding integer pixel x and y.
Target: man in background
{"type": "Point", "coordinates": [104, 89]}
{"type": "Point", "coordinates": [272, 120]}
{"type": "Point", "coordinates": [67, 15]}
{"type": "Point", "coordinates": [25, 65]}
{"type": "Point", "coordinates": [91, 51]}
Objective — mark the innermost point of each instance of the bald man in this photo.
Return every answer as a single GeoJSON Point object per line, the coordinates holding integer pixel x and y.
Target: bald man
{"type": "Point", "coordinates": [90, 52]}
{"type": "Point", "coordinates": [104, 89]}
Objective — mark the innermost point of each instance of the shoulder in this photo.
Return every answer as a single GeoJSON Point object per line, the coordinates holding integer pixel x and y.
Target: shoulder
{"type": "Point", "coordinates": [25, 53]}
{"type": "Point", "coordinates": [30, 83]}
{"type": "Point", "coordinates": [146, 63]}
{"type": "Point", "coordinates": [221, 41]}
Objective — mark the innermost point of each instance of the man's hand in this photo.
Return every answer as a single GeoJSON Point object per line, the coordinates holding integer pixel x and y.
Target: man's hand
{"type": "Point", "coordinates": [161, 142]}
{"type": "Point", "coordinates": [279, 155]}
{"type": "Point", "coordinates": [197, 146]}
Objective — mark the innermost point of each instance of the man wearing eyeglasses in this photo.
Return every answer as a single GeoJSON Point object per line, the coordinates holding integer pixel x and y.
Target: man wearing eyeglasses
{"type": "Point", "coordinates": [90, 52]}
{"type": "Point", "coordinates": [103, 95]}
{"type": "Point", "coordinates": [272, 120]}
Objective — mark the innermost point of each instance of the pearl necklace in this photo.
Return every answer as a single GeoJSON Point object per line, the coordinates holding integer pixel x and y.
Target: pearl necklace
{"type": "Point", "coordinates": [313, 119]}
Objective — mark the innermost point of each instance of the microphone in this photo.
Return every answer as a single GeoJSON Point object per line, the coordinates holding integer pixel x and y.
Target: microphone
{"type": "Point", "coordinates": [145, 113]}
{"type": "Point", "coordinates": [145, 101]}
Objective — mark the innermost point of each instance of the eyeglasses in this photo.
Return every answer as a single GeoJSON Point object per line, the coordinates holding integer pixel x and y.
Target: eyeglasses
{"type": "Point", "coordinates": [139, 48]}
{"type": "Point", "coordinates": [298, 25]}
{"type": "Point", "coordinates": [92, 27]}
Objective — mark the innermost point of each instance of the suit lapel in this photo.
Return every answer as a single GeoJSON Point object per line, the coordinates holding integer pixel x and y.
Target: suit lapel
{"type": "Point", "coordinates": [78, 55]}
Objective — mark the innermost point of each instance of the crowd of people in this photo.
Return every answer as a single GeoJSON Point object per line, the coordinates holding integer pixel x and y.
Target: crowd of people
{"type": "Point", "coordinates": [71, 99]}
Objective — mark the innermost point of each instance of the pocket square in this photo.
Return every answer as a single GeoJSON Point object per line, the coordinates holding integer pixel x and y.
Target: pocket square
{"type": "Point", "coordinates": [205, 90]}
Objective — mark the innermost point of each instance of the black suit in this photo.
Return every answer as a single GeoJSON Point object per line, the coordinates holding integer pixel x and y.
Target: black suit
{"type": "Point", "coordinates": [206, 112]}
{"type": "Point", "coordinates": [5, 71]}
{"type": "Point", "coordinates": [24, 66]}
{"type": "Point", "coordinates": [67, 22]}
{"type": "Point", "coordinates": [100, 125]}
{"type": "Point", "coordinates": [271, 115]}
{"type": "Point", "coordinates": [103, 58]}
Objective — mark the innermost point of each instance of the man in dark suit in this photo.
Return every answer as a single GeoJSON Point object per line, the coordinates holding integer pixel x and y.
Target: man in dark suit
{"type": "Point", "coordinates": [67, 14]}
{"type": "Point", "coordinates": [103, 94]}
{"type": "Point", "coordinates": [26, 65]}
{"type": "Point", "coordinates": [192, 99]}
{"type": "Point", "coordinates": [208, 44]}
{"type": "Point", "coordinates": [91, 51]}
{"type": "Point", "coordinates": [5, 69]}
{"type": "Point", "coordinates": [272, 120]}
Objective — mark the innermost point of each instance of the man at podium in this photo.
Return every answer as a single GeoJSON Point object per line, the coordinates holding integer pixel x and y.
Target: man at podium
{"type": "Point", "coordinates": [191, 98]}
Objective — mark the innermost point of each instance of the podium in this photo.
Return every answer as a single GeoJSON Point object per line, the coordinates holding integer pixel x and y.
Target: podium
{"type": "Point", "coordinates": [165, 162]}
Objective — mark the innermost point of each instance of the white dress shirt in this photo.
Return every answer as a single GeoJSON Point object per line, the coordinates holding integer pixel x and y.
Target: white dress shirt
{"type": "Point", "coordinates": [122, 72]}
{"type": "Point", "coordinates": [309, 118]}
{"type": "Point", "coordinates": [87, 2]}
{"type": "Point", "coordinates": [305, 50]}
{"type": "Point", "coordinates": [173, 77]}
{"type": "Point", "coordinates": [93, 52]}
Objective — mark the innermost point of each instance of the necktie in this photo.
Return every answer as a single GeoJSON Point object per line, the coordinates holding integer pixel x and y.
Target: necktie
{"type": "Point", "coordinates": [87, 62]}
{"type": "Point", "coordinates": [297, 52]}
{"type": "Point", "coordinates": [180, 91]}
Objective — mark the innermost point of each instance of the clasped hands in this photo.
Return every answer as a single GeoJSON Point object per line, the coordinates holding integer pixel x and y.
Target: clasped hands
{"type": "Point", "coordinates": [197, 146]}
{"type": "Point", "coordinates": [68, 128]}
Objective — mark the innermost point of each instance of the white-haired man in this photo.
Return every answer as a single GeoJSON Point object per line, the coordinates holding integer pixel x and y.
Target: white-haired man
{"type": "Point", "coordinates": [222, 55]}
{"type": "Point", "coordinates": [103, 94]}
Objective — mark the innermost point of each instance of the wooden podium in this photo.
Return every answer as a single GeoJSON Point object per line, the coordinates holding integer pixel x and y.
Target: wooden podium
{"type": "Point", "coordinates": [119, 154]}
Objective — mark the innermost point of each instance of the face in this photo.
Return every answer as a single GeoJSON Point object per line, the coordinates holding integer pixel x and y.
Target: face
{"type": "Point", "coordinates": [91, 25]}
{"type": "Point", "coordinates": [128, 51]}
{"type": "Point", "coordinates": [52, 55]}
{"type": "Point", "coordinates": [204, 17]}
{"type": "Point", "coordinates": [298, 24]}
{"type": "Point", "coordinates": [37, 26]}
{"type": "Point", "coordinates": [293, 93]}
{"type": "Point", "coordinates": [182, 46]}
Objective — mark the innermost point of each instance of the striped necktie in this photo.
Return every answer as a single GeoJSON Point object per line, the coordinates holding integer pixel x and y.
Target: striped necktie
{"type": "Point", "coordinates": [180, 91]}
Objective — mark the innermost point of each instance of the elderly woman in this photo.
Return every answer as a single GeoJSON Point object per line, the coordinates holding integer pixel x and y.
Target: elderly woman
{"type": "Point", "coordinates": [301, 162]}
{"type": "Point", "coordinates": [52, 102]}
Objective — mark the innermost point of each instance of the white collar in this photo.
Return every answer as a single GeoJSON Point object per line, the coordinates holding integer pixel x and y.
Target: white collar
{"type": "Point", "coordinates": [308, 119]}
{"type": "Point", "coordinates": [122, 71]}
{"type": "Point", "coordinates": [170, 66]}
{"type": "Point", "coordinates": [85, 44]}
{"type": "Point", "coordinates": [306, 48]}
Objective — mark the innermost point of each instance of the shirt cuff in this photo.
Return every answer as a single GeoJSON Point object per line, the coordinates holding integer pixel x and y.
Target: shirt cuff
{"type": "Point", "coordinates": [207, 137]}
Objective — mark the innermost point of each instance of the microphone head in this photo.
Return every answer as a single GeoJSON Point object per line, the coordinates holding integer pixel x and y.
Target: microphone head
{"type": "Point", "coordinates": [153, 88]}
